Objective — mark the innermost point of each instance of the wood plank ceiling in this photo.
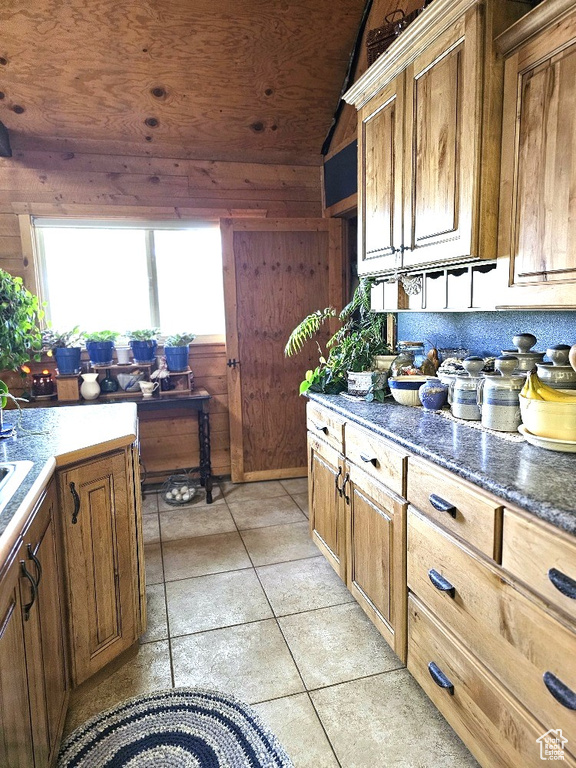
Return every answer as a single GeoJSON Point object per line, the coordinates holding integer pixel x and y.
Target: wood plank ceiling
{"type": "Point", "coordinates": [201, 78]}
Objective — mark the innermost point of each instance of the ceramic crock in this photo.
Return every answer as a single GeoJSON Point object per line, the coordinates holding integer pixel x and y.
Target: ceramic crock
{"type": "Point", "coordinates": [498, 399]}
{"type": "Point", "coordinates": [463, 397]}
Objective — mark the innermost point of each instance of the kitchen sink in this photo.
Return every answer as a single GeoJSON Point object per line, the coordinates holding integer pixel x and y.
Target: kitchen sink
{"type": "Point", "coordinates": [11, 475]}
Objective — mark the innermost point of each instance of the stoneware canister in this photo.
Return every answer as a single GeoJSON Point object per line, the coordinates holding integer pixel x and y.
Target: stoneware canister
{"type": "Point", "coordinates": [90, 389]}
{"type": "Point", "coordinates": [433, 394]}
{"type": "Point", "coordinates": [463, 397]}
{"type": "Point", "coordinates": [498, 398]}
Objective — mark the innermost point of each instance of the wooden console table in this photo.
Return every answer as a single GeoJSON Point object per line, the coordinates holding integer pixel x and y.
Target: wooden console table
{"type": "Point", "coordinates": [197, 400]}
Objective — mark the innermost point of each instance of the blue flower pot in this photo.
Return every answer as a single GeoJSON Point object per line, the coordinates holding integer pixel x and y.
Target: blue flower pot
{"type": "Point", "coordinates": [101, 352]}
{"type": "Point", "coordinates": [144, 351]}
{"type": "Point", "coordinates": [177, 358]}
{"type": "Point", "coordinates": [68, 360]}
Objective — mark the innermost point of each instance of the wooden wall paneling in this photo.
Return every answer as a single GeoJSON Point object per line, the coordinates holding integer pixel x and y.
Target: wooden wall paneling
{"type": "Point", "coordinates": [276, 272]}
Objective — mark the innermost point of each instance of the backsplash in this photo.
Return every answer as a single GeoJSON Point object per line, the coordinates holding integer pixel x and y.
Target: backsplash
{"type": "Point", "coordinates": [486, 333]}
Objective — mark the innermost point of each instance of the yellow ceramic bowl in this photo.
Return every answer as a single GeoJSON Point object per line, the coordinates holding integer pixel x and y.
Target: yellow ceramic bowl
{"type": "Point", "coordinates": [549, 419]}
{"type": "Point", "coordinates": [404, 389]}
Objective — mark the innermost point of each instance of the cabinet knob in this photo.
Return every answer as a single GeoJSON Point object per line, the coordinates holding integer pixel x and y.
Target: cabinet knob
{"type": "Point", "coordinates": [563, 583]}
{"type": "Point", "coordinates": [440, 678]}
{"type": "Point", "coordinates": [442, 505]}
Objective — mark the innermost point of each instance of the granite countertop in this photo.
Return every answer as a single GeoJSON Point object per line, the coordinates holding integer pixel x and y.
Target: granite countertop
{"type": "Point", "coordinates": [54, 437]}
{"type": "Point", "coordinates": [537, 480]}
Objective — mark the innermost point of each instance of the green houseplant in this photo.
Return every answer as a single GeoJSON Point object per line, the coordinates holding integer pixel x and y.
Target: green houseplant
{"type": "Point", "coordinates": [100, 346]}
{"type": "Point", "coordinates": [176, 349]}
{"type": "Point", "coordinates": [351, 349]}
{"type": "Point", "coordinates": [143, 343]}
{"type": "Point", "coordinates": [66, 346]}
{"type": "Point", "coordinates": [20, 336]}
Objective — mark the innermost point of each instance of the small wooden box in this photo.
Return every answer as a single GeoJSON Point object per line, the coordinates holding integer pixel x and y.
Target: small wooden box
{"type": "Point", "coordinates": [181, 383]}
{"type": "Point", "coordinates": [68, 388]}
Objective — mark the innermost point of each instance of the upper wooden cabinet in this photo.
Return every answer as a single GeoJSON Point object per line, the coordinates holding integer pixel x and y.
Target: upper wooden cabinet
{"type": "Point", "coordinates": [429, 139]}
{"type": "Point", "coordinates": [537, 244]}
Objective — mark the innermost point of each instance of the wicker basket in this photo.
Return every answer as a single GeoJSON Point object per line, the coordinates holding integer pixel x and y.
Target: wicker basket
{"type": "Point", "coordinates": [381, 38]}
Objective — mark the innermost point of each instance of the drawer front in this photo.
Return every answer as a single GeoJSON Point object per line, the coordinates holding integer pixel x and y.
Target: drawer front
{"type": "Point", "coordinates": [326, 425]}
{"type": "Point", "coordinates": [497, 729]}
{"type": "Point", "coordinates": [377, 457]}
{"type": "Point", "coordinates": [517, 640]}
{"type": "Point", "coordinates": [457, 505]}
{"type": "Point", "coordinates": [542, 557]}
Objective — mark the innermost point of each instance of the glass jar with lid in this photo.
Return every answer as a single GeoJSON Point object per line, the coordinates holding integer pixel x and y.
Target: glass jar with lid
{"type": "Point", "coordinates": [411, 360]}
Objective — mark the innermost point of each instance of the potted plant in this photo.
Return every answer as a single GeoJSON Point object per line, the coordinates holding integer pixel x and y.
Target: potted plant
{"type": "Point", "coordinates": [176, 348]}
{"type": "Point", "coordinates": [143, 343]}
{"type": "Point", "coordinates": [66, 346]}
{"type": "Point", "coordinates": [100, 346]}
{"type": "Point", "coordinates": [352, 348]}
{"type": "Point", "coordinates": [20, 336]}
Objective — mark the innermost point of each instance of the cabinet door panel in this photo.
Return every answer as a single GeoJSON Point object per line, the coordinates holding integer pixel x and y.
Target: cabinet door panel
{"type": "Point", "coordinates": [44, 632]}
{"type": "Point", "coordinates": [380, 149]}
{"type": "Point", "coordinates": [100, 563]}
{"type": "Point", "coordinates": [326, 515]}
{"type": "Point", "coordinates": [545, 196]}
{"type": "Point", "coordinates": [443, 86]}
{"type": "Point", "coordinates": [15, 727]}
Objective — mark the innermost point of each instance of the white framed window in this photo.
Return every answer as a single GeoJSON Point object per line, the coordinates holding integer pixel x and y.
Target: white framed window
{"type": "Point", "coordinates": [127, 275]}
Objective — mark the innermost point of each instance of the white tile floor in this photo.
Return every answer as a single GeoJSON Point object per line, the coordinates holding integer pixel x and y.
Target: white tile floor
{"type": "Point", "coordinates": [240, 599]}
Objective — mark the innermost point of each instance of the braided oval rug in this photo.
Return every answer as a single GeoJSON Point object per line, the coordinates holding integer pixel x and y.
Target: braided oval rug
{"type": "Point", "coordinates": [179, 728]}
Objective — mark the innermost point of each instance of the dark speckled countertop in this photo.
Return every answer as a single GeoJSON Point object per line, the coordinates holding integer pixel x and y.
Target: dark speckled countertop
{"type": "Point", "coordinates": [539, 481]}
{"type": "Point", "coordinates": [52, 437]}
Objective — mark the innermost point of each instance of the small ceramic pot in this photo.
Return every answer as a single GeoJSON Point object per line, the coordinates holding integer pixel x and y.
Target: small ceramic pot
{"type": "Point", "coordinates": [433, 394]}
{"type": "Point", "coordinates": [499, 401]}
{"type": "Point", "coordinates": [360, 382]}
{"type": "Point", "coordinates": [123, 355]}
{"type": "Point", "coordinates": [557, 376]}
{"type": "Point", "coordinates": [463, 397]}
{"type": "Point", "coordinates": [90, 389]}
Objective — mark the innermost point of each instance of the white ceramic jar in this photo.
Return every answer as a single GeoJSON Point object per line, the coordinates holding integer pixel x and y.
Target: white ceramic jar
{"type": "Point", "coordinates": [499, 402]}
{"type": "Point", "coordinates": [90, 389]}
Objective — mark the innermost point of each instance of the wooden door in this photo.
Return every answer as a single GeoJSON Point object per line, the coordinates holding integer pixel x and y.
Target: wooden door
{"type": "Point", "coordinates": [100, 562]}
{"type": "Point", "coordinates": [380, 151]}
{"type": "Point", "coordinates": [325, 483]}
{"type": "Point", "coordinates": [376, 560]}
{"type": "Point", "coordinates": [45, 633]}
{"type": "Point", "coordinates": [443, 124]}
{"type": "Point", "coordinates": [276, 271]}
{"type": "Point", "coordinates": [15, 726]}
{"type": "Point", "coordinates": [538, 190]}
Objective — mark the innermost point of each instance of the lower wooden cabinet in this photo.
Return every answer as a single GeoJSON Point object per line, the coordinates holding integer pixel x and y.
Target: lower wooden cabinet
{"type": "Point", "coordinates": [101, 561]}
{"type": "Point", "coordinates": [326, 509]}
{"type": "Point", "coordinates": [33, 674]}
{"type": "Point", "coordinates": [376, 555]}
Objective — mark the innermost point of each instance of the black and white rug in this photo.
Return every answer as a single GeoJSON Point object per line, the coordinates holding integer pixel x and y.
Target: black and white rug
{"type": "Point", "coordinates": [179, 728]}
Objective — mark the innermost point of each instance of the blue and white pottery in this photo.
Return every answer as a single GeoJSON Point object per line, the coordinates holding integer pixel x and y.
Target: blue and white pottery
{"type": "Point", "coordinates": [463, 397]}
{"type": "Point", "coordinates": [433, 394]}
{"type": "Point", "coordinates": [499, 400]}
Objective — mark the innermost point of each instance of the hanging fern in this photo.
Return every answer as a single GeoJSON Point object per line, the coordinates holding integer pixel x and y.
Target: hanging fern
{"type": "Point", "coordinates": [308, 328]}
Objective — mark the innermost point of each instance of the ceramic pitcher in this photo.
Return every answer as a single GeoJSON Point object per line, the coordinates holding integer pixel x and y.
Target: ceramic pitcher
{"type": "Point", "coordinates": [498, 399]}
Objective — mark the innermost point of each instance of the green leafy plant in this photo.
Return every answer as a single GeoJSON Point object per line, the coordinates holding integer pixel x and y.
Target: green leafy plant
{"type": "Point", "coordinates": [101, 336]}
{"type": "Point", "coordinates": [144, 334]}
{"type": "Point", "coordinates": [20, 313]}
{"type": "Point", "coordinates": [179, 339]}
{"type": "Point", "coordinates": [352, 348]}
{"type": "Point", "coordinates": [52, 339]}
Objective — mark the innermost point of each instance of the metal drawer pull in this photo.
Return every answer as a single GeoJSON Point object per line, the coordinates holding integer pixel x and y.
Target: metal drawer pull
{"type": "Point", "coordinates": [32, 556]}
{"type": "Point", "coordinates": [369, 459]}
{"type": "Point", "coordinates": [322, 428]}
{"type": "Point", "coordinates": [76, 498]}
{"type": "Point", "coordinates": [344, 484]}
{"type": "Point", "coordinates": [441, 505]}
{"type": "Point", "coordinates": [560, 690]}
{"type": "Point", "coordinates": [440, 678]}
{"type": "Point", "coordinates": [34, 585]}
{"type": "Point", "coordinates": [563, 583]}
{"type": "Point", "coordinates": [441, 583]}
{"type": "Point", "coordinates": [338, 488]}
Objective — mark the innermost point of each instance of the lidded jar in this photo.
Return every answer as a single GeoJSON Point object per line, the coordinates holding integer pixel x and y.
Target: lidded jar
{"type": "Point", "coordinates": [411, 360]}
